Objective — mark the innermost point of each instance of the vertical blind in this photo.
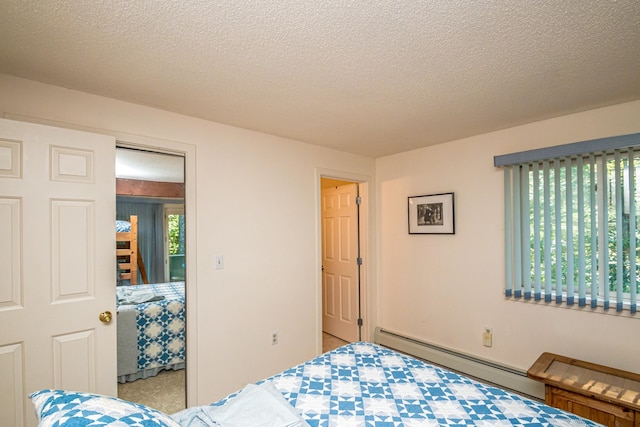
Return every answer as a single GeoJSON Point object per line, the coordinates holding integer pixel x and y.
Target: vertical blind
{"type": "Point", "coordinates": [150, 234]}
{"type": "Point", "coordinates": [570, 220]}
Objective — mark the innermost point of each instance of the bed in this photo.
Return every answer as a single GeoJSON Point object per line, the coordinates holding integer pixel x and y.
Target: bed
{"type": "Point", "coordinates": [366, 384]}
{"type": "Point", "coordinates": [360, 384]}
{"type": "Point", "coordinates": [128, 252]}
{"type": "Point", "coordinates": [151, 334]}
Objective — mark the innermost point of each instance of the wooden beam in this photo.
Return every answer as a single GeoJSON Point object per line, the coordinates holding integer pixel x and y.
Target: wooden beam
{"type": "Point", "coordinates": [135, 187]}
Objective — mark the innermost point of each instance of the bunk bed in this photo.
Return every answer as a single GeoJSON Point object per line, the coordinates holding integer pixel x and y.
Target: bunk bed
{"type": "Point", "coordinates": [151, 329]}
{"type": "Point", "coordinates": [128, 252]}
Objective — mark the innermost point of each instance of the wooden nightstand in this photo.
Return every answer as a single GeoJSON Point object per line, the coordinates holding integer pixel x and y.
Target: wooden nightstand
{"type": "Point", "coordinates": [605, 395]}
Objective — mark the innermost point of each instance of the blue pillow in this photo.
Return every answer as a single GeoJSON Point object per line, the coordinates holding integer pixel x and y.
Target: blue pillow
{"type": "Point", "coordinates": [56, 408]}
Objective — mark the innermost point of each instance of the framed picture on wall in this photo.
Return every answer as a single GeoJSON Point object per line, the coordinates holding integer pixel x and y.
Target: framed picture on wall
{"type": "Point", "coordinates": [431, 214]}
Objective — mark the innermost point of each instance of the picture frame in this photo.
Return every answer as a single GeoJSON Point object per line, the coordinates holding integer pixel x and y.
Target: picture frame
{"type": "Point", "coordinates": [431, 214]}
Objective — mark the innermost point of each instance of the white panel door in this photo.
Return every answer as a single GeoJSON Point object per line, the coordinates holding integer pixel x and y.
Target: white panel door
{"type": "Point", "coordinates": [340, 296]}
{"type": "Point", "coordinates": [57, 264]}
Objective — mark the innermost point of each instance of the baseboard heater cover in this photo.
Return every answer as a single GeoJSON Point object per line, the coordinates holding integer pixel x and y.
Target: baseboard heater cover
{"type": "Point", "coordinates": [484, 370]}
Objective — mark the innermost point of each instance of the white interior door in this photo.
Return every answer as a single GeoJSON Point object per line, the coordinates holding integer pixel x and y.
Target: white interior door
{"type": "Point", "coordinates": [57, 264]}
{"type": "Point", "coordinates": [340, 308]}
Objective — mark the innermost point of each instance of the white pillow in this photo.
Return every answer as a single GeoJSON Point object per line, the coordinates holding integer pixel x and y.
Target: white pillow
{"type": "Point", "coordinates": [56, 408]}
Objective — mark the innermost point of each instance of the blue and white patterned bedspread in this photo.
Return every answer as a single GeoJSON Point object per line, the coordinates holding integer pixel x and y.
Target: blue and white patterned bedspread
{"type": "Point", "coordinates": [122, 226]}
{"type": "Point", "coordinates": [363, 384]}
{"type": "Point", "coordinates": [161, 327]}
{"type": "Point", "coordinates": [151, 335]}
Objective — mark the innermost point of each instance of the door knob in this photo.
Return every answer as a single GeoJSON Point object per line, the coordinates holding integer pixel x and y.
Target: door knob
{"type": "Point", "coordinates": [105, 317]}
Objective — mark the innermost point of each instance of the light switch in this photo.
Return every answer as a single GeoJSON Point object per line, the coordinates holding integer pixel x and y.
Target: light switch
{"type": "Point", "coordinates": [219, 262]}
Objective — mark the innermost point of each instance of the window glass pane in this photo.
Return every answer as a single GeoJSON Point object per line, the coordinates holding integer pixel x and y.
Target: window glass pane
{"type": "Point", "coordinates": [176, 246]}
{"type": "Point", "coordinates": [568, 225]}
{"type": "Point", "coordinates": [620, 256]}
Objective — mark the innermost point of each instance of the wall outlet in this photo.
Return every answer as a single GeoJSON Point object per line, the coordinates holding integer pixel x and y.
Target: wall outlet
{"type": "Point", "coordinates": [274, 338]}
{"type": "Point", "coordinates": [487, 337]}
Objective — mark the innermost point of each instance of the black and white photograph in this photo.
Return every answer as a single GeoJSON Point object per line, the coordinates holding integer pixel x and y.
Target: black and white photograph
{"type": "Point", "coordinates": [431, 214]}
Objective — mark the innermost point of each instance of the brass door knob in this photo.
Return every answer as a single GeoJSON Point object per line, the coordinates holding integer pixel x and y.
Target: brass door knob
{"type": "Point", "coordinates": [105, 317]}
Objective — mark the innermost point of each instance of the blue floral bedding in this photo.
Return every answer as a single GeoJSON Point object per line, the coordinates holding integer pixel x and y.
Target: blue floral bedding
{"type": "Point", "coordinates": [358, 385]}
{"type": "Point", "coordinates": [123, 226]}
{"type": "Point", "coordinates": [151, 335]}
{"type": "Point", "coordinates": [363, 384]}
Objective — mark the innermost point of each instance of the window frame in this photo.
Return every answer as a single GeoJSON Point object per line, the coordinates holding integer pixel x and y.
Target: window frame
{"type": "Point", "coordinates": [564, 161]}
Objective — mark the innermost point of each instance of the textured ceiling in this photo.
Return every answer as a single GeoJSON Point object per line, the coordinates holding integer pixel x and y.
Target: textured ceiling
{"type": "Point", "coordinates": [374, 77]}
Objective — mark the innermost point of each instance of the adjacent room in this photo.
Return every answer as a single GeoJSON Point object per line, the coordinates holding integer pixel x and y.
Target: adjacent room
{"type": "Point", "coordinates": [150, 253]}
{"type": "Point", "coordinates": [371, 198]}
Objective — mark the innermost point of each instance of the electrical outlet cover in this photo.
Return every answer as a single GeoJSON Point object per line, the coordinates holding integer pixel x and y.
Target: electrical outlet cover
{"type": "Point", "coordinates": [487, 338]}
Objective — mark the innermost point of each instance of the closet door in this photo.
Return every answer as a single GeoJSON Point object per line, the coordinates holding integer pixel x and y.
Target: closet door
{"type": "Point", "coordinates": [57, 258]}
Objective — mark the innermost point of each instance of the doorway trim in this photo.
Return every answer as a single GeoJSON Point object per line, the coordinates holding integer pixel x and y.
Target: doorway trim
{"type": "Point", "coordinates": [367, 291]}
{"type": "Point", "coordinates": [188, 151]}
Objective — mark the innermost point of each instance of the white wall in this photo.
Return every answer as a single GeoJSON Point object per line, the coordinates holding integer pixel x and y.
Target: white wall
{"type": "Point", "coordinates": [445, 288]}
{"type": "Point", "coordinates": [256, 204]}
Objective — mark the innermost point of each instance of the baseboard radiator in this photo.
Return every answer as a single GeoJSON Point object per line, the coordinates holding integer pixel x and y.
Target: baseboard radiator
{"type": "Point", "coordinates": [483, 370]}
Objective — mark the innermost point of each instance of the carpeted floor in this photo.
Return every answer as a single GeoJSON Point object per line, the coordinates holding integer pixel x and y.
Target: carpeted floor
{"type": "Point", "coordinates": [166, 391]}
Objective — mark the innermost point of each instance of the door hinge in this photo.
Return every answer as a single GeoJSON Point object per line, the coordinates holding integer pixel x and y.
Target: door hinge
{"type": "Point", "coordinates": [359, 261]}
{"type": "Point", "coordinates": [358, 200]}
{"type": "Point", "coordinates": [359, 322]}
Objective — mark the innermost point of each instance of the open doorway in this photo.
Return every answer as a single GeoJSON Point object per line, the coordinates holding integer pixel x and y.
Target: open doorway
{"type": "Point", "coordinates": [151, 230]}
{"type": "Point", "coordinates": [343, 279]}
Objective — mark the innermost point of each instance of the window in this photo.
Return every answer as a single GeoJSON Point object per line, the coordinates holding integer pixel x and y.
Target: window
{"type": "Point", "coordinates": [571, 221]}
{"type": "Point", "coordinates": [175, 242]}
